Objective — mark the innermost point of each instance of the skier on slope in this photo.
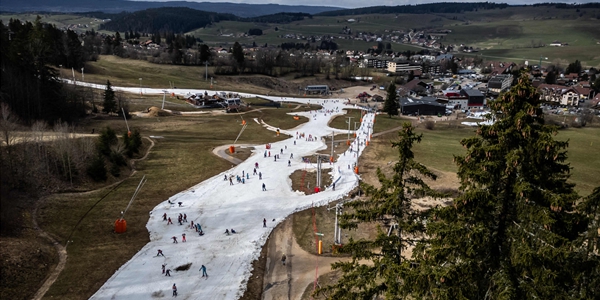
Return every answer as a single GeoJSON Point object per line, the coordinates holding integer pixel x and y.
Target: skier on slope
{"type": "Point", "coordinates": [203, 270]}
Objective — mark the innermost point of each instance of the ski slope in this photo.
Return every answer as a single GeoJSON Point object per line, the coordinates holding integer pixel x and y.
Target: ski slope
{"type": "Point", "coordinates": [216, 205]}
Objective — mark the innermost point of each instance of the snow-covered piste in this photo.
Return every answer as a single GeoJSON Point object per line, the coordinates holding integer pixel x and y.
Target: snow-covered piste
{"type": "Point", "coordinates": [218, 205]}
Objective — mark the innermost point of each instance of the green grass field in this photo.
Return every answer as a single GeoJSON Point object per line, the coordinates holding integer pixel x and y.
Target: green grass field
{"type": "Point", "coordinates": [438, 147]}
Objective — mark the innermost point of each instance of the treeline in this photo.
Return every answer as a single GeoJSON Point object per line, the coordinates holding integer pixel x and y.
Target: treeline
{"type": "Point", "coordinates": [569, 6]}
{"type": "Point", "coordinates": [165, 19]}
{"type": "Point", "coordinates": [417, 9]}
{"type": "Point", "coordinates": [281, 18]}
{"type": "Point", "coordinates": [30, 55]}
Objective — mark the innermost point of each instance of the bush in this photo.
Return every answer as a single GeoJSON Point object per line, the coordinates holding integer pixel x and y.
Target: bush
{"type": "Point", "coordinates": [107, 138]}
{"type": "Point", "coordinates": [577, 124]}
{"type": "Point", "coordinates": [115, 170]}
{"type": "Point", "coordinates": [429, 124]}
{"type": "Point", "coordinates": [97, 169]}
{"type": "Point", "coordinates": [133, 143]}
{"type": "Point", "coordinates": [556, 123]}
{"type": "Point", "coordinates": [255, 31]}
{"type": "Point", "coordinates": [117, 158]}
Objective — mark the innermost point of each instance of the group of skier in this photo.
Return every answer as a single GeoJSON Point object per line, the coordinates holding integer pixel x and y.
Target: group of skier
{"type": "Point", "coordinates": [182, 218]}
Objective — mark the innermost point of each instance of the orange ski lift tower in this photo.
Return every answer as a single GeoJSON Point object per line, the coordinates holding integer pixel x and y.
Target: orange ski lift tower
{"type": "Point", "coordinates": [121, 224]}
{"type": "Point", "coordinates": [244, 125]}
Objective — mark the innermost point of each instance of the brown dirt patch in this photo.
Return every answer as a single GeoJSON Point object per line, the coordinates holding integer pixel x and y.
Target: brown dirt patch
{"type": "Point", "coordinates": [157, 112]}
{"type": "Point", "coordinates": [241, 152]}
{"type": "Point", "coordinates": [305, 181]}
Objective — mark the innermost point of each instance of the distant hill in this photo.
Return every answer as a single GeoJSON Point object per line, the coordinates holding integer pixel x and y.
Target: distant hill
{"type": "Point", "coordinates": [117, 6]}
{"type": "Point", "coordinates": [165, 19]}
{"type": "Point", "coordinates": [431, 8]}
{"type": "Point", "coordinates": [280, 18]}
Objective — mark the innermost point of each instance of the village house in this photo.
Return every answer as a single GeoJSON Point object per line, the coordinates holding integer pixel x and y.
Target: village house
{"type": "Point", "coordinates": [399, 66]}
{"type": "Point", "coordinates": [499, 83]}
{"type": "Point", "coordinates": [559, 95]}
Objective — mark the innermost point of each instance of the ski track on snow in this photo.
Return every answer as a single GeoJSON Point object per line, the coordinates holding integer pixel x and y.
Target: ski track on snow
{"type": "Point", "coordinates": [218, 206]}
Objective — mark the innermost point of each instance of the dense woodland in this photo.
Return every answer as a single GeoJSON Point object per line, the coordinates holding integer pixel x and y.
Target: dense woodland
{"type": "Point", "coordinates": [281, 18]}
{"type": "Point", "coordinates": [431, 8]}
{"type": "Point", "coordinates": [30, 55]}
{"type": "Point", "coordinates": [166, 19]}
{"type": "Point", "coordinates": [35, 101]}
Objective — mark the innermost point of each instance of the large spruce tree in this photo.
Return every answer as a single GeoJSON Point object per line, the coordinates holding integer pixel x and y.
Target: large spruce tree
{"type": "Point", "coordinates": [391, 202]}
{"type": "Point", "coordinates": [390, 106]}
{"type": "Point", "coordinates": [110, 103]}
{"type": "Point", "coordinates": [513, 232]}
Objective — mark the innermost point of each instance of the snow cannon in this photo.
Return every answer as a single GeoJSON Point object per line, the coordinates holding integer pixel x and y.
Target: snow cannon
{"type": "Point", "coordinates": [317, 189]}
{"type": "Point", "coordinates": [120, 225]}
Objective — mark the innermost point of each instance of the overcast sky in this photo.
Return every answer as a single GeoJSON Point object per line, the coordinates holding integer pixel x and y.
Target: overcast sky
{"type": "Point", "coordinates": [363, 3]}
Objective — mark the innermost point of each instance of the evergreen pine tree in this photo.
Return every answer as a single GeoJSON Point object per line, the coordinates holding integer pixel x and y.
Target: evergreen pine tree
{"type": "Point", "coordinates": [238, 55]}
{"type": "Point", "coordinates": [97, 170]}
{"type": "Point", "coordinates": [587, 274]}
{"type": "Point", "coordinates": [109, 104]}
{"type": "Point", "coordinates": [512, 233]}
{"type": "Point", "coordinates": [390, 106]}
{"type": "Point", "coordinates": [392, 201]}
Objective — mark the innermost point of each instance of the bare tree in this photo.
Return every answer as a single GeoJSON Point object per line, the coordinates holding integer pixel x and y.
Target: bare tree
{"type": "Point", "coordinates": [8, 124]}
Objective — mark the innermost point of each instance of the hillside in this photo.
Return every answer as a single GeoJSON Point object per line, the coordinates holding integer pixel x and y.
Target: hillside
{"type": "Point", "coordinates": [432, 8]}
{"type": "Point", "coordinates": [174, 19]}
{"type": "Point", "coordinates": [117, 6]}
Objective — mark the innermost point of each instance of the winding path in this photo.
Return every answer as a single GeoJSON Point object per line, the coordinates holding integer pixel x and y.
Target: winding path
{"type": "Point", "coordinates": [62, 250]}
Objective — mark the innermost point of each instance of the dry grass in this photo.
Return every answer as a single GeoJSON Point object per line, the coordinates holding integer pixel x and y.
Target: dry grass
{"type": "Point", "coordinates": [305, 181]}
{"type": "Point", "coordinates": [179, 160]}
{"type": "Point", "coordinates": [323, 280]}
{"type": "Point", "coordinates": [324, 218]}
